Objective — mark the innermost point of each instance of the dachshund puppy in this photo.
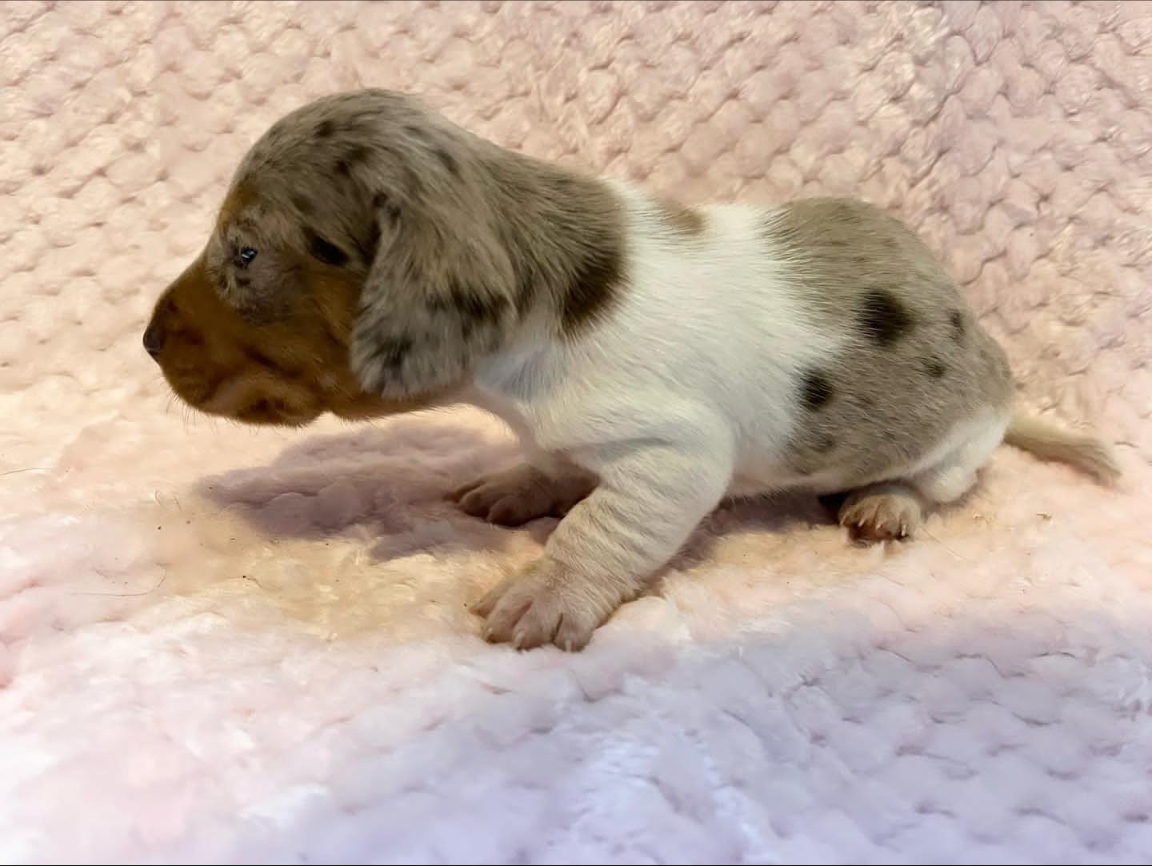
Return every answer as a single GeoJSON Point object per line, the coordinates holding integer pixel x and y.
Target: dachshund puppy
{"type": "Point", "coordinates": [371, 257]}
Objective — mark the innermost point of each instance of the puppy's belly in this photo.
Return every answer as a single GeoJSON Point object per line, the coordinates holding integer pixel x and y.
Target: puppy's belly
{"type": "Point", "coordinates": [966, 445]}
{"type": "Point", "coordinates": [757, 478]}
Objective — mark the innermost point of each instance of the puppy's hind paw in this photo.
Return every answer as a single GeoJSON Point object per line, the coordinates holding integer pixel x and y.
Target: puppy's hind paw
{"type": "Point", "coordinates": [883, 512]}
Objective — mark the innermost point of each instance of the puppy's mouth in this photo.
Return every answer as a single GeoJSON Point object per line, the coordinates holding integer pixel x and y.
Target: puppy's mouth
{"type": "Point", "coordinates": [252, 399]}
{"type": "Point", "coordinates": [270, 412]}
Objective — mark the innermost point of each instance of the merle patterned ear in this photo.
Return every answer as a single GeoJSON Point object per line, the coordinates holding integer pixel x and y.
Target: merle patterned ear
{"type": "Point", "coordinates": [439, 297]}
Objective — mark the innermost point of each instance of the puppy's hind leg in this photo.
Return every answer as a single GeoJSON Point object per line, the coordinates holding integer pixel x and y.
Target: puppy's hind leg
{"type": "Point", "coordinates": [895, 509]}
{"type": "Point", "coordinates": [955, 473]}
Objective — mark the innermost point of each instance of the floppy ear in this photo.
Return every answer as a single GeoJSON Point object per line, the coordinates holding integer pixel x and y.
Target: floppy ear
{"type": "Point", "coordinates": [440, 295]}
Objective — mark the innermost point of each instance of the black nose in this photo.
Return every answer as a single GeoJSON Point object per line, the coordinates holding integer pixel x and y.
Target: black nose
{"type": "Point", "coordinates": [154, 340]}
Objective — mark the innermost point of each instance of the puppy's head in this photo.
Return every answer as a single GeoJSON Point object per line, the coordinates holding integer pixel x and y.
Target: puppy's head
{"type": "Point", "coordinates": [356, 267]}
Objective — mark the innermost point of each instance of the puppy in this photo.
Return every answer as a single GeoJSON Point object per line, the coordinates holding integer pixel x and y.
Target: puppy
{"type": "Point", "coordinates": [371, 257]}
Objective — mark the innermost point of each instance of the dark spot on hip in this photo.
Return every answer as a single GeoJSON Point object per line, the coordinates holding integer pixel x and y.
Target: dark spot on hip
{"type": "Point", "coordinates": [448, 161]}
{"type": "Point", "coordinates": [956, 320]}
{"type": "Point", "coordinates": [353, 157]}
{"type": "Point", "coordinates": [882, 317]}
{"type": "Point", "coordinates": [815, 390]}
{"type": "Point", "coordinates": [934, 367]}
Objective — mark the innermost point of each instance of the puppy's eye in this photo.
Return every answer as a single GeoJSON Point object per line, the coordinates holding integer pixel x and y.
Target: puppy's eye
{"type": "Point", "coordinates": [244, 257]}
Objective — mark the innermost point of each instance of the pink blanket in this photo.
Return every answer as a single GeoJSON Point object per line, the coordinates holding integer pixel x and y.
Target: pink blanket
{"type": "Point", "coordinates": [227, 645]}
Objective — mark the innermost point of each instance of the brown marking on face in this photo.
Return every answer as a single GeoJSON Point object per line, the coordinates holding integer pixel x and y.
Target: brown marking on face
{"type": "Point", "coordinates": [679, 219]}
{"type": "Point", "coordinates": [285, 372]}
{"type": "Point", "coordinates": [368, 240]}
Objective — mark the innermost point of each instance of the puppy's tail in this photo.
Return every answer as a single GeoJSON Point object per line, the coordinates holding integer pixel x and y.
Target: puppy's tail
{"type": "Point", "coordinates": [1086, 453]}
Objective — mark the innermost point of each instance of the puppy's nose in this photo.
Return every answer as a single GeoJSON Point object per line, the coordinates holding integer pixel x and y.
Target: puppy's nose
{"type": "Point", "coordinates": [153, 339]}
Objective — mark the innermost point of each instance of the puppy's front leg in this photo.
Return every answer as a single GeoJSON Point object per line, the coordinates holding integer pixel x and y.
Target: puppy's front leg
{"type": "Point", "coordinates": [649, 500]}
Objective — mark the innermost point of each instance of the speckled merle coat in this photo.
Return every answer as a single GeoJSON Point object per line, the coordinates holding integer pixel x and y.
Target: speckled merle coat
{"type": "Point", "coordinates": [373, 257]}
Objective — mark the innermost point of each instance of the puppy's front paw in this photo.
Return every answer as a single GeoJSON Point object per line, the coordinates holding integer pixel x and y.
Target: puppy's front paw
{"type": "Point", "coordinates": [520, 494]}
{"type": "Point", "coordinates": [546, 603]}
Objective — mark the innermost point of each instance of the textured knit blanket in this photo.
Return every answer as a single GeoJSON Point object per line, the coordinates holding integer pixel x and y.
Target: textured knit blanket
{"type": "Point", "coordinates": [220, 644]}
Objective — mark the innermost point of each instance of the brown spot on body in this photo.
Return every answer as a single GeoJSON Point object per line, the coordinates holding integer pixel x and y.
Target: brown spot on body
{"type": "Point", "coordinates": [903, 377]}
{"type": "Point", "coordinates": [934, 367]}
{"type": "Point", "coordinates": [679, 219]}
{"type": "Point", "coordinates": [882, 317]}
{"type": "Point", "coordinates": [824, 443]}
{"type": "Point", "coordinates": [815, 390]}
{"type": "Point", "coordinates": [592, 290]}
{"type": "Point", "coordinates": [325, 129]}
{"type": "Point", "coordinates": [956, 320]}
{"type": "Point", "coordinates": [355, 156]}
{"type": "Point", "coordinates": [448, 161]}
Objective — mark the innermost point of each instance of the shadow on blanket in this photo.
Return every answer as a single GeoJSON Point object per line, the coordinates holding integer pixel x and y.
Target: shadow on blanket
{"type": "Point", "coordinates": [395, 480]}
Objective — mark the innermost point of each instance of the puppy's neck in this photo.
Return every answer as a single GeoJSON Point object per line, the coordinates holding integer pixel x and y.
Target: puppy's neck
{"type": "Point", "coordinates": [565, 233]}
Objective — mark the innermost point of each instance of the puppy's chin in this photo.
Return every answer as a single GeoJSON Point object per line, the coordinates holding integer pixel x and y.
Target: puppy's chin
{"type": "Point", "coordinates": [259, 399]}
{"type": "Point", "coordinates": [256, 399]}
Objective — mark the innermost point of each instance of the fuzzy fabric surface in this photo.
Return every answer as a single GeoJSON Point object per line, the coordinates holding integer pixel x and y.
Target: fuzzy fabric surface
{"type": "Point", "coordinates": [230, 645]}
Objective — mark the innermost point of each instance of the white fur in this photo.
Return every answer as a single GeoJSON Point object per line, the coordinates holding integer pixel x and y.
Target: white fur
{"type": "Point", "coordinates": [701, 354]}
{"type": "Point", "coordinates": [683, 393]}
{"type": "Point", "coordinates": [701, 351]}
